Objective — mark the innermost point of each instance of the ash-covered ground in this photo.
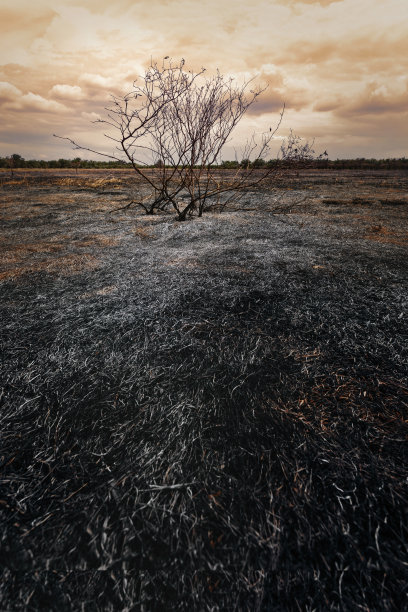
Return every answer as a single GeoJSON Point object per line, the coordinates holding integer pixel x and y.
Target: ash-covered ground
{"type": "Point", "coordinates": [208, 415]}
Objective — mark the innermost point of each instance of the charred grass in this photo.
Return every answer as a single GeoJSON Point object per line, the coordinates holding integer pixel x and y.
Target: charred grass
{"type": "Point", "coordinates": [208, 415]}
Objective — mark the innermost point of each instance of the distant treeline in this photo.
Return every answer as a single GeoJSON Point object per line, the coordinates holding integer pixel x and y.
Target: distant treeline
{"type": "Point", "coordinates": [17, 161]}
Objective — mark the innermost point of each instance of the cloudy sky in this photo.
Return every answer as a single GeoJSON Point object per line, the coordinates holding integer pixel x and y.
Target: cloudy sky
{"type": "Point", "coordinates": [340, 66]}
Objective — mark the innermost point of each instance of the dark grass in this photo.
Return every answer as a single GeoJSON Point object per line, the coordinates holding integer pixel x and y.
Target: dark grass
{"type": "Point", "coordinates": [211, 418]}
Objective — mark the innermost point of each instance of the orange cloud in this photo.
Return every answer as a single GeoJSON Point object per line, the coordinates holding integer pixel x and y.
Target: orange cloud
{"type": "Point", "coordinates": [98, 81]}
{"type": "Point", "coordinates": [91, 116]}
{"type": "Point", "coordinates": [377, 100]}
{"type": "Point", "coordinates": [357, 52]}
{"type": "Point", "coordinates": [31, 20]}
{"type": "Point", "coordinates": [67, 92]}
{"type": "Point", "coordinates": [32, 102]}
{"type": "Point", "coordinates": [8, 92]}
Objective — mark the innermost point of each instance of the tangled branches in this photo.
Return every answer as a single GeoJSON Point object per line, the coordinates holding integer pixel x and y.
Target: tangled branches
{"type": "Point", "coordinates": [180, 121]}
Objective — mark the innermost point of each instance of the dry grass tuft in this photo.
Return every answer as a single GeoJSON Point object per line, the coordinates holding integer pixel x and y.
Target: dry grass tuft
{"type": "Point", "coordinates": [380, 233]}
{"type": "Point", "coordinates": [18, 259]}
{"type": "Point", "coordinates": [99, 292]}
{"type": "Point", "coordinates": [64, 265]}
{"type": "Point", "coordinates": [143, 232]}
{"type": "Point", "coordinates": [96, 240]}
{"type": "Point", "coordinates": [89, 183]}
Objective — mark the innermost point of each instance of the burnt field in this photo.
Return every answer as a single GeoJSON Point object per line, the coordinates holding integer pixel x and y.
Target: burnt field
{"type": "Point", "coordinates": [208, 415]}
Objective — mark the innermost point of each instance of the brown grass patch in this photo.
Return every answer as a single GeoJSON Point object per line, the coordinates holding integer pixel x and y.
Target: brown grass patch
{"type": "Point", "coordinates": [370, 401]}
{"type": "Point", "coordinates": [238, 268]}
{"type": "Point", "coordinates": [65, 265]}
{"type": "Point", "coordinates": [89, 183]}
{"type": "Point", "coordinates": [13, 182]}
{"type": "Point", "coordinates": [99, 292]}
{"type": "Point", "coordinates": [18, 259]}
{"type": "Point", "coordinates": [96, 240]}
{"type": "Point", "coordinates": [143, 232]}
{"type": "Point", "coordinates": [21, 251]}
{"type": "Point", "coordinates": [383, 234]}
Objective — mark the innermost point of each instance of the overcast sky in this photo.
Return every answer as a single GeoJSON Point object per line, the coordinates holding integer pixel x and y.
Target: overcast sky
{"type": "Point", "coordinates": [340, 66]}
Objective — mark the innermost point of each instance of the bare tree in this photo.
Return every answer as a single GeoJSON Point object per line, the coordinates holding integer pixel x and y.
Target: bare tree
{"type": "Point", "coordinates": [179, 122]}
{"type": "Point", "coordinates": [11, 165]}
{"type": "Point", "coordinates": [14, 161]}
{"type": "Point", "coordinates": [76, 163]}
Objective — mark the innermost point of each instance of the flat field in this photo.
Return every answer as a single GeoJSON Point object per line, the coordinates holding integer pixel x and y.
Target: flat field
{"type": "Point", "coordinates": [208, 415]}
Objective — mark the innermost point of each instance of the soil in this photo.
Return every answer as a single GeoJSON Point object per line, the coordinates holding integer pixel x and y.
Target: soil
{"type": "Point", "coordinates": [209, 414]}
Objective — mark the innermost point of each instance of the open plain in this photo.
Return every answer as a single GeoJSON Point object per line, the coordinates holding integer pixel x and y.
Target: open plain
{"type": "Point", "coordinates": [208, 415]}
